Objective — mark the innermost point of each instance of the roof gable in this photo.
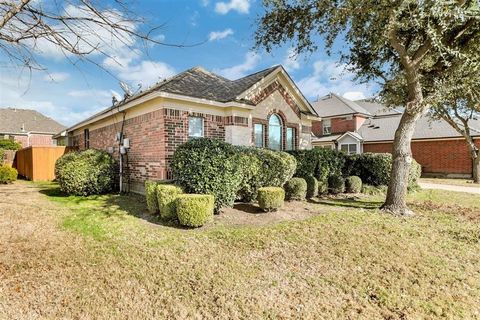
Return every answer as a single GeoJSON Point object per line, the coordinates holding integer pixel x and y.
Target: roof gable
{"type": "Point", "coordinates": [333, 105]}
{"type": "Point", "coordinates": [13, 120]}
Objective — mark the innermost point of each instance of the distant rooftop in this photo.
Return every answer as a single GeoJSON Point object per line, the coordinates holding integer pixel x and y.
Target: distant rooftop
{"type": "Point", "coordinates": [15, 120]}
{"type": "Point", "coordinates": [333, 104]}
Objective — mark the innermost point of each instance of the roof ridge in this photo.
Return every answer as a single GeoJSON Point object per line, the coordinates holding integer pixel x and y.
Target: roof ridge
{"type": "Point", "coordinates": [263, 70]}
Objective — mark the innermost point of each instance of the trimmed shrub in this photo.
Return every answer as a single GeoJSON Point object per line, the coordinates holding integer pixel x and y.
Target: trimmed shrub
{"type": "Point", "coordinates": [375, 168]}
{"type": "Point", "coordinates": [2, 156]}
{"type": "Point", "coordinates": [270, 198]}
{"type": "Point", "coordinates": [250, 167]}
{"type": "Point", "coordinates": [295, 189]}
{"type": "Point", "coordinates": [318, 162]}
{"type": "Point", "coordinates": [86, 172]}
{"type": "Point", "coordinates": [194, 210]}
{"type": "Point", "coordinates": [7, 174]}
{"type": "Point", "coordinates": [336, 184]}
{"type": "Point", "coordinates": [277, 167]}
{"type": "Point", "coordinates": [322, 186]}
{"type": "Point", "coordinates": [151, 196]}
{"type": "Point", "coordinates": [312, 186]}
{"type": "Point", "coordinates": [353, 184]}
{"type": "Point", "coordinates": [8, 144]}
{"type": "Point", "coordinates": [208, 166]}
{"type": "Point", "coordinates": [166, 196]}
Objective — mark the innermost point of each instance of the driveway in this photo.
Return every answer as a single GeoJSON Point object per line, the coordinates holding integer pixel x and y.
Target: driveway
{"type": "Point", "coordinates": [474, 190]}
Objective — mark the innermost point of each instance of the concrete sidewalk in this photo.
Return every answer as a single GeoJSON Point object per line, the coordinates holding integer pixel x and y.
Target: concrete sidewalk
{"type": "Point", "coordinates": [472, 189]}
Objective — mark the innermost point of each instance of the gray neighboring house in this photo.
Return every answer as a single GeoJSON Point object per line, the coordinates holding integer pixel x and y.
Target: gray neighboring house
{"type": "Point", "coordinates": [28, 127]}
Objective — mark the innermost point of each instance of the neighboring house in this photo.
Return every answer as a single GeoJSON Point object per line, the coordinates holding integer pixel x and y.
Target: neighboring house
{"type": "Point", "coordinates": [29, 127]}
{"type": "Point", "coordinates": [264, 109]}
{"type": "Point", "coordinates": [367, 126]}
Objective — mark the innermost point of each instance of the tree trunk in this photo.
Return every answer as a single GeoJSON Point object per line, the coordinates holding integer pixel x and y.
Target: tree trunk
{"type": "Point", "coordinates": [476, 166]}
{"type": "Point", "coordinates": [401, 162]}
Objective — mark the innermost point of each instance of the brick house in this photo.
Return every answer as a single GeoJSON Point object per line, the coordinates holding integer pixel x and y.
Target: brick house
{"type": "Point", "coordinates": [28, 127]}
{"type": "Point", "coordinates": [264, 109]}
{"type": "Point", "coordinates": [367, 126]}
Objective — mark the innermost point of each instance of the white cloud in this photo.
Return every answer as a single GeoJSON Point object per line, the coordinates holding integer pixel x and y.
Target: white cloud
{"type": "Point", "coordinates": [146, 72]}
{"type": "Point", "coordinates": [354, 95]}
{"type": "Point", "coordinates": [241, 6]}
{"type": "Point", "coordinates": [56, 76]}
{"type": "Point", "coordinates": [329, 76]}
{"type": "Point", "coordinates": [50, 99]}
{"type": "Point", "coordinates": [290, 62]}
{"type": "Point", "coordinates": [240, 70]}
{"type": "Point", "coordinates": [218, 35]}
{"type": "Point", "coordinates": [205, 3]}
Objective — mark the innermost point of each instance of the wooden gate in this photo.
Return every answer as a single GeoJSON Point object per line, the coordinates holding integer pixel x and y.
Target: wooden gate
{"type": "Point", "coordinates": [38, 163]}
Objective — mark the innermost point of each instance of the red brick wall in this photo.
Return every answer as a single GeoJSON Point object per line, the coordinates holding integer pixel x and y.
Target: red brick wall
{"type": "Point", "coordinates": [34, 140]}
{"type": "Point", "coordinates": [317, 128]}
{"type": "Point", "coordinates": [341, 125]}
{"type": "Point", "coordinates": [440, 156]}
{"type": "Point", "coordinates": [153, 139]}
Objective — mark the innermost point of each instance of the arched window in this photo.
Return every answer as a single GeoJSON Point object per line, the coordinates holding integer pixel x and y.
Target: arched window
{"type": "Point", "coordinates": [275, 132]}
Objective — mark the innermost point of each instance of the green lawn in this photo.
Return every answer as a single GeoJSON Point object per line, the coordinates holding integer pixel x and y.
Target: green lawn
{"type": "Point", "coordinates": [348, 261]}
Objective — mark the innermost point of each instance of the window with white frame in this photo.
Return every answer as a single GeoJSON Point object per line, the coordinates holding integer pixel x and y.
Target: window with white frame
{"type": "Point", "coordinates": [290, 143]}
{"type": "Point", "coordinates": [349, 148]}
{"type": "Point", "coordinates": [259, 135]}
{"type": "Point", "coordinates": [195, 127]}
{"type": "Point", "coordinates": [327, 126]}
{"type": "Point", "coordinates": [275, 132]}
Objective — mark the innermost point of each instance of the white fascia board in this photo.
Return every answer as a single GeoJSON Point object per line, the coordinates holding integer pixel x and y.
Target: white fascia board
{"type": "Point", "coordinates": [111, 111]}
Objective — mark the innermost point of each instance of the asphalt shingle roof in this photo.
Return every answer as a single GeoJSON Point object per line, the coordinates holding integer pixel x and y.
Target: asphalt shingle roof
{"type": "Point", "coordinates": [383, 129]}
{"type": "Point", "coordinates": [200, 83]}
{"type": "Point", "coordinates": [333, 104]}
{"type": "Point", "coordinates": [13, 119]}
{"type": "Point", "coordinates": [377, 109]}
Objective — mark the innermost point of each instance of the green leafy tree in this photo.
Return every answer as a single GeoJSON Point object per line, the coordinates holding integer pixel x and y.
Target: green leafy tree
{"type": "Point", "coordinates": [410, 47]}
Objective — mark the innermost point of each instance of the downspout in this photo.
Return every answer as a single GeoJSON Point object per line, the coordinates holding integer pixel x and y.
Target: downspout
{"type": "Point", "coordinates": [120, 143]}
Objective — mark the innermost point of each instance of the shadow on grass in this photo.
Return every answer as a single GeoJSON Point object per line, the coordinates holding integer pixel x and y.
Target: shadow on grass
{"type": "Point", "coordinates": [107, 205]}
{"type": "Point", "coordinates": [350, 203]}
{"type": "Point", "coordinates": [248, 208]}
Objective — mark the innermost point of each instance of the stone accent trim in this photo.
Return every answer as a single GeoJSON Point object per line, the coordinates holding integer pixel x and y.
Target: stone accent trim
{"type": "Point", "coordinates": [270, 89]}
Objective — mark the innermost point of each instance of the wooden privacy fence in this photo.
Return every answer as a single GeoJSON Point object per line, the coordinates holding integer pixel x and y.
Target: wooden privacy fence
{"type": "Point", "coordinates": [38, 163]}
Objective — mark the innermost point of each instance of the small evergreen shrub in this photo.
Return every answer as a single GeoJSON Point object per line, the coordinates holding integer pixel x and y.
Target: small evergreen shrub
{"type": "Point", "coordinates": [151, 196]}
{"type": "Point", "coordinates": [8, 144]}
{"type": "Point", "coordinates": [312, 186]}
{"type": "Point", "coordinates": [336, 184]}
{"type": "Point", "coordinates": [270, 198]}
{"type": "Point", "coordinates": [295, 189]}
{"type": "Point", "coordinates": [353, 184]}
{"type": "Point", "coordinates": [2, 156]}
{"type": "Point", "coordinates": [166, 196]}
{"type": "Point", "coordinates": [318, 162]}
{"type": "Point", "coordinates": [277, 167]}
{"type": "Point", "coordinates": [250, 166]}
{"type": "Point", "coordinates": [86, 172]}
{"type": "Point", "coordinates": [194, 210]}
{"type": "Point", "coordinates": [414, 175]}
{"type": "Point", "coordinates": [7, 174]}
{"type": "Point", "coordinates": [322, 186]}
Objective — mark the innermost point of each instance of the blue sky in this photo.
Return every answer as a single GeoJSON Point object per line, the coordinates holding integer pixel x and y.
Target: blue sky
{"type": "Point", "coordinates": [70, 93]}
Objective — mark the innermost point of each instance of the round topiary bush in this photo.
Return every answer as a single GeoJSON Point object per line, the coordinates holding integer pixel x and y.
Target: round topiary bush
{"type": "Point", "coordinates": [353, 184]}
{"type": "Point", "coordinates": [208, 166]}
{"type": "Point", "coordinates": [312, 187]}
{"type": "Point", "coordinates": [194, 210]}
{"type": "Point", "coordinates": [276, 167]}
{"type": "Point", "coordinates": [295, 189]}
{"type": "Point", "coordinates": [166, 196]}
{"type": "Point", "coordinates": [336, 184]}
{"type": "Point", "coordinates": [270, 198]}
{"type": "Point", "coordinates": [86, 172]}
{"type": "Point", "coordinates": [7, 174]}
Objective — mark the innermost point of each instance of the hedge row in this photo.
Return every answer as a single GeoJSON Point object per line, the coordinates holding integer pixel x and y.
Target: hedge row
{"type": "Point", "coordinates": [210, 166]}
{"type": "Point", "coordinates": [372, 168]}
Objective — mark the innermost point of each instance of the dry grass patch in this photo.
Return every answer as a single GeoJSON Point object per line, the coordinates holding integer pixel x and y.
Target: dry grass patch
{"type": "Point", "coordinates": [103, 257]}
